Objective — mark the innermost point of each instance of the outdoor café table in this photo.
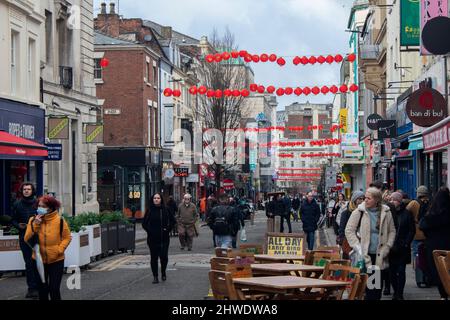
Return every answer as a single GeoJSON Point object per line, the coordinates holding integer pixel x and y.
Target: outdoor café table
{"type": "Point", "coordinates": [279, 258]}
{"type": "Point", "coordinates": [285, 287]}
{"type": "Point", "coordinates": [285, 269]}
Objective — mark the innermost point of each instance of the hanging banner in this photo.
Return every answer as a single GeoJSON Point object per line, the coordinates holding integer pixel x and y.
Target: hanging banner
{"type": "Point", "coordinates": [409, 23]}
{"type": "Point", "coordinates": [94, 133]}
{"type": "Point", "coordinates": [58, 128]}
{"type": "Point", "coordinates": [430, 9]}
{"type": "Point", "coordinates": [343, 114]}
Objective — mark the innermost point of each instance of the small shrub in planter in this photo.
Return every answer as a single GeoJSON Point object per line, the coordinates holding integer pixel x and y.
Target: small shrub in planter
{"type": "Point", "coordinates": [77, 253]}
{"type": "Point", "coordinates": [91, 221]}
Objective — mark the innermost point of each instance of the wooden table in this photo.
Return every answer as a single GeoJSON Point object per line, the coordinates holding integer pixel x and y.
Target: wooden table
{"type": "Point", "coordinates": [279, 258]}
{"type": "Point", "coordinates": [286, 269]}
{"type": "Point", "coordinates": [288, 287]}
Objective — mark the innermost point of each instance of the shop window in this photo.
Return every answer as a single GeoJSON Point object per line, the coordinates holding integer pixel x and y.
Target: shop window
{"type": "Point", "coordinates": [19, 173]}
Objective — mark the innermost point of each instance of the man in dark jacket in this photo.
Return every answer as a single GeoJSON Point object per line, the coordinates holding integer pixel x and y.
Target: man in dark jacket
{"type": "Point", "coordinates": [286, 214]}
{"type": "Point", "coordinates": [239, 216]}
{"type": "Point", "coordinates": [23, 210]}
{"type": "Point", "coordinates": [211, 202]}
{"type": "Point", "coordinates": [310, 216]}
{"type": "Point", "coordinates": [296, 205]}
{"type": "Point", "coordinates": [400, 254]}
{"type": "Point", "coordinates": [224, 222]}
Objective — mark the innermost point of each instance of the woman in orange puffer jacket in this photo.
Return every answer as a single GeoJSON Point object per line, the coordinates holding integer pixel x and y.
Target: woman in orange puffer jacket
{"type": "Point", "coordinates": [52, 233]}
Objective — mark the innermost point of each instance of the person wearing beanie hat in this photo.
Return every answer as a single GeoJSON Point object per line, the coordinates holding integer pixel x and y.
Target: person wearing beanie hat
{"type": "Point", "coordinates": [400, 254]}
{"type": "Point", "coordinates": [356, 195]}
{"type": "Point", "coordinates": [422, 191]}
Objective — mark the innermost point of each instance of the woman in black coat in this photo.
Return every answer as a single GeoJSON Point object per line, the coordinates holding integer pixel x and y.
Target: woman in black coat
{"type": "Point", "coordinates": [400, 254]}
{"type": "Point", "coordinates": [158, 222]}
{"type": "Point", "coordinates": [436, 227]}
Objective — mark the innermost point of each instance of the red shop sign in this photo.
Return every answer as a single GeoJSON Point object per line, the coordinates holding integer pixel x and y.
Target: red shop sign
{"type": "Point", "coordinates": [437, 137]}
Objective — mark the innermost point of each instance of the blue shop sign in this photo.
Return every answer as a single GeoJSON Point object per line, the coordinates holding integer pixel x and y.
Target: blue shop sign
{"type": "Point", "coordinates": [22, 120]}
{"type": "Point", "coordinates": [54, 152]}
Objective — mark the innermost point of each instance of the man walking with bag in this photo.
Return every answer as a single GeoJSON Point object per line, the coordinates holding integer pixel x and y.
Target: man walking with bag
{"type": "Point", "coordinates": [187, 216]}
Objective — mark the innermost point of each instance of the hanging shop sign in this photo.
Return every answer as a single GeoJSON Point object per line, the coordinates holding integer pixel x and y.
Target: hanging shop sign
{"type": "Point", "coordinates": [181, 172]}
{"type": "Point", "coordinates": [409, 23]}
{"type": "Point", "coordinates": [350, 141]}
{"type": "Point", "coordinates": [372, 121]}
{"type": "Point", "coordinates": [343, 116]}
{"type": "Point", "coordinates": [94, 133]}
{"type": "Point", "coordinates": [426, 107]}
{"type": "Point", "coordinates": [430, 9]}
{"type": "Point", "coordinates": [434, 35]}
{"type": "Point", "coordinates": [58, 128]}
{"type": "Point", "coordinates": [54, 152]}
{"type": "Point", "coordinates": [387, 129]}
{"type": "Point", "coordinates": [438, 137]}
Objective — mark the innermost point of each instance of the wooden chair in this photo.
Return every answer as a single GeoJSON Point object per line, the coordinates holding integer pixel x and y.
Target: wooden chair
{"type": "Point", "coordinates": [251, 248]}
{"type": "Point", "coordinates": [319, 257]}
{"type": "Point", "coordinates": [358, 288]}
{"type": "Point", "coordinates": [222, 285]}
{"type": "Point", "coordinates": [334, 249]}
{"type": "Point", "coordinates": [442, 261]}
{"type": "Point", "coordinates": [236, 270]}
{"type": "Point", "coordinates": [342, 271]}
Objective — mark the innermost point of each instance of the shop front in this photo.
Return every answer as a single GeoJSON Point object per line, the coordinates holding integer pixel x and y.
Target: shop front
{"type": "Point", "coordinates": [22, 150]}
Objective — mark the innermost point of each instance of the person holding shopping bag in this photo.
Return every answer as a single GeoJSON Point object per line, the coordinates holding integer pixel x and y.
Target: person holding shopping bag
{"type": "Point", "coordinates": [51, 232]}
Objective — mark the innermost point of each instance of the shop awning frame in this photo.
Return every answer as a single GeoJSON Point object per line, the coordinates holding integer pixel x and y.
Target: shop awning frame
{"type": "Point", "coordinates": [16, 148]}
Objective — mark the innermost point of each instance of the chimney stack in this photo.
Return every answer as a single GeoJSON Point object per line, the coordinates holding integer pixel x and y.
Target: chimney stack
{"type": "Point", "coordinates": [112, 8]}
{"type": "Point", "coordinates": [103, 11]}
{"type": "Point", "coordinates": [166, 32]}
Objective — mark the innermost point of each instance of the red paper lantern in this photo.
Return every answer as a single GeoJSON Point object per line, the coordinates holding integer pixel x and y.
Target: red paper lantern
{"type": "Point", "coordinates": [343, 88]}
{"type": "Point", "coordinates": [177, 93]}
{"type": "Point", "coordinates": [338, 58]}
{"type": "Point", "coordinates": [273, 57]}
{"type": "Point", "coordinates": [261, 89]}
{"type": "Point", "coordinates": [298, 91]}
{"type": "Point", "coordinates": [210, 58]}
{"type": "Point", "coordinates": [236, 93]}
{"type": "Point", "coordinates": [217, 57]}
{"type": "Point", "coordinates": [253, 87]}
{"type": "Point", "coordinates": [315, 90]}
{"type": "Point", "coordinates": [202, 90]}
{"type": "Point", "coordinates": [288, 91]}
{"type": "Point", "coordinates": [334, 89]}
{"type": "Point", "coordinates": [227, 93]}
{"type": "Point", "coordinates": [312, 60]}
{"type": "Point", "coordinates": [351, 57]}
{"type": "Point", "coordinates": [353, 88]}
{"type": "Point", "coordinates": [104, 62]}
{"type": "Point", "coordinates": [306, 91]}
{"type": "Point", "coordinates": [325, 90]}
{"type": "Point", "coordinates": [193, 90]}
{"type": "Point", "coordinates": [264, 57]}
{"type": "Point", "coordinates": [280, 91]}
{"type": "Point", "coordinates": [321, 59]}
{"type": "Point", "coordinates": [255, 58]}
{"type": "Point", "coordinates": [168, 92]}
{"type": "Point", "coordinates": [270, 89]}
{"type": "Point", "coordinates": [218, 94]}
{"type": "Point", "coordinates": [210, 93]}
{"type": "Point", "coordinates": [297, 61]}
{"type": "Point", "coordinates": [226, 56]}
{"type": "Point", "coordinates": [281, 62]}
{"type": "Point", "coordinates": [248, 58]}
{"type": "Point", "coordinates": [235, 54]}
{"type": "Point", "coordinates": [304, 60]}
{"type": "Point", "coordinates": [245, 93]}
{"type": "Point", "coordinates": [330, 59]}
{"type": "Point", "coordinates": [243, 53]}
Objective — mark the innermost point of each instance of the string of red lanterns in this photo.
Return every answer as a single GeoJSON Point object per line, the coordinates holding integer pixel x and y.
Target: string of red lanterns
{"type": "Point", "coordinates": [310, 155]}
{"type": "Point", "coordinates": [256, 58]}
{"type": "Point", "coordinates": [299, 169]}
{"type": "Point", "coordinates": [299, 174]}
{"type": "Point", "coordinates": [218, 93]}
{"type": "Point", "coordinates": [313, 143]}
{"type": "Point", "coordinates": [301, 128]}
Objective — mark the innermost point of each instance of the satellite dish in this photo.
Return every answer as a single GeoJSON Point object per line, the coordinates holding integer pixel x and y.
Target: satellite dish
{"type": "Point", "coordinates": [148, 38]}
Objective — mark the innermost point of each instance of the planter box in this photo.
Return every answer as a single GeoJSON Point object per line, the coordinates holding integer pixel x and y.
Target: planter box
{"type": "Point", "coordinates": [109, 237]}
{"type": "Point", "coordinates": [78, 253]}
{"type": "Point", "coordinates": [11, 258]}
{"type": "Point", "coordinates": [126, 237]}
{"type": "Point", "coordinates": [104, 239]}
{"type": "Point", "coordinates": [95, 240]}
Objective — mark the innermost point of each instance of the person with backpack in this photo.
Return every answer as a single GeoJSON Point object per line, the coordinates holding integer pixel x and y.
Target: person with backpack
{"type": "Point", "coordinates": [356, 199]}
{"type": "Point", "coordinates": [418, 209]}
{"type": "Point", "coordinates": [22, 211]}
{"type": "Point", "coordinates": [223, 222]}
{"type": "Point", "coordinates": [51, 232]}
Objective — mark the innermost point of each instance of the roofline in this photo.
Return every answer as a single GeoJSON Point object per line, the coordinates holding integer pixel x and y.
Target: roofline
{"type": "Point", "coordinates": [353, 10]}
{"type": "Point", "coordinates": [114, 47]}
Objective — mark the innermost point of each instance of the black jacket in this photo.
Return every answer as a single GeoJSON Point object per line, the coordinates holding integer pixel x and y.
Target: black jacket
{"type": "Point", "coordinates": [23, 210]}
{"type": "Point", "coordinates": [231, 217]}
{"type": "Point", "coordinates": [296, 204]}
{"type": "Point", "coordinates": [310, 215]}
{"type": "Point", "coordinates": [172, 206]}
{"type": "Point", "coordinates": [158, 222]}
{"type": "Point", "coordinates": [405, 231]}
{"type": "Point", "coordinates": [276, 208]}
{"type": "Point", "coordinates": [345, 215]}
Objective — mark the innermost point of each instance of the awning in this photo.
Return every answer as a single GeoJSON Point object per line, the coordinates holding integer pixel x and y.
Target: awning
{"type": "Point", "coordinates": [437, 137]}
{"type": "Point", "coordinates": [415, 144]}
{"type": "Point", "coordinates": [12, 147]}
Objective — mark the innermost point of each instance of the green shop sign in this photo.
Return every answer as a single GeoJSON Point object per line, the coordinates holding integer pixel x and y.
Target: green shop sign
{"type": "Point", "coordinates": [410, 22]}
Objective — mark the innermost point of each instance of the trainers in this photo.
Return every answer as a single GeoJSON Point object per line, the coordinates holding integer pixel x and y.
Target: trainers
{"type": "Point", "coordinates": [182, 248]}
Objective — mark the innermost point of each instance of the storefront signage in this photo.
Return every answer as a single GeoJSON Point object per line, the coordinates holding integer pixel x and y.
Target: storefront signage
{"type": "Point", "coordinates": [58, 128]}
{"type": "Point", "coordinates": [430, 9]}
{"type": "Point", "coordinates": [282, 243]}
{"type": "Point", "coordinates": [94, 133]}
{"type": "Point", "coordinates": [54, 151]}
{"type": "Point", "coordinates": [343, 115]}
{"type": "Point", "coordinates": [426, 107]}
{"type": "Point", "coordinates": [438, 138]}
{"type": "Point", "coordinates": [372, 121]}
{"type": "Point", "coordinates": [409, 23]}
{"type": "Point", "coordinates": [357, 152]}
{"type": "Point", "coordinates": [181, 172]}
{"type": "Point", "coordinates": [387, 129]}
{"type": "Point", "coordinates": [350, 141]}
{"type": "Point", "coordinates": [192, 178]}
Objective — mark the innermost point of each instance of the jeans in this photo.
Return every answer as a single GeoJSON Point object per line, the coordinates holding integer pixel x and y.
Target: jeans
{"type": "Point", "coordinates": [310, 239]}
{"type": "Point", "coordinates": [224, 242]}
{"type": "Point", "coordinates": [161, 252]}
{"type": "Point", "coordinates": [288, 220]}
{"type": "Point", "coordinates": [398, 278]}
{"type": "Point", "coordinates": [27, 252]}
{"type": "Point", "coordinates": [53, 274]}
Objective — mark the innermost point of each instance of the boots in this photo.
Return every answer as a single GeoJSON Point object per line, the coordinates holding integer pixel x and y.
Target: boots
{"type": "Point", "coordinates": [164, 277]}
{"type": "Point", "coordinates": [155, 280]}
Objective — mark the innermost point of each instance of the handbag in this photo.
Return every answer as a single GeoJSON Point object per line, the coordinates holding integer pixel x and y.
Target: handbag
{"type": "Point", "coordinates": [243, 236]}
{"type": "Point", "coordinates": [346, 248]}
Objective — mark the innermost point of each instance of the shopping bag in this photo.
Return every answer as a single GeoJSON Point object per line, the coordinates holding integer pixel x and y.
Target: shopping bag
{"type": "Point", "coordinates": [243, 237]}
{"type": "Point", "coordinates": [39, 262]}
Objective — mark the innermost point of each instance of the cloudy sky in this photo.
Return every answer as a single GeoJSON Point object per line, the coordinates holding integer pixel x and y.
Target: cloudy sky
{"type": "Point", "coordinates": [283, 27]}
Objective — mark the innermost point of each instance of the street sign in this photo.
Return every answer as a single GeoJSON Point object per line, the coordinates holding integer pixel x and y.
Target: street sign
{"type": "Point", "coordinates": [170, 173]}
{"type": "Point", "coordinates": [54, 151]}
